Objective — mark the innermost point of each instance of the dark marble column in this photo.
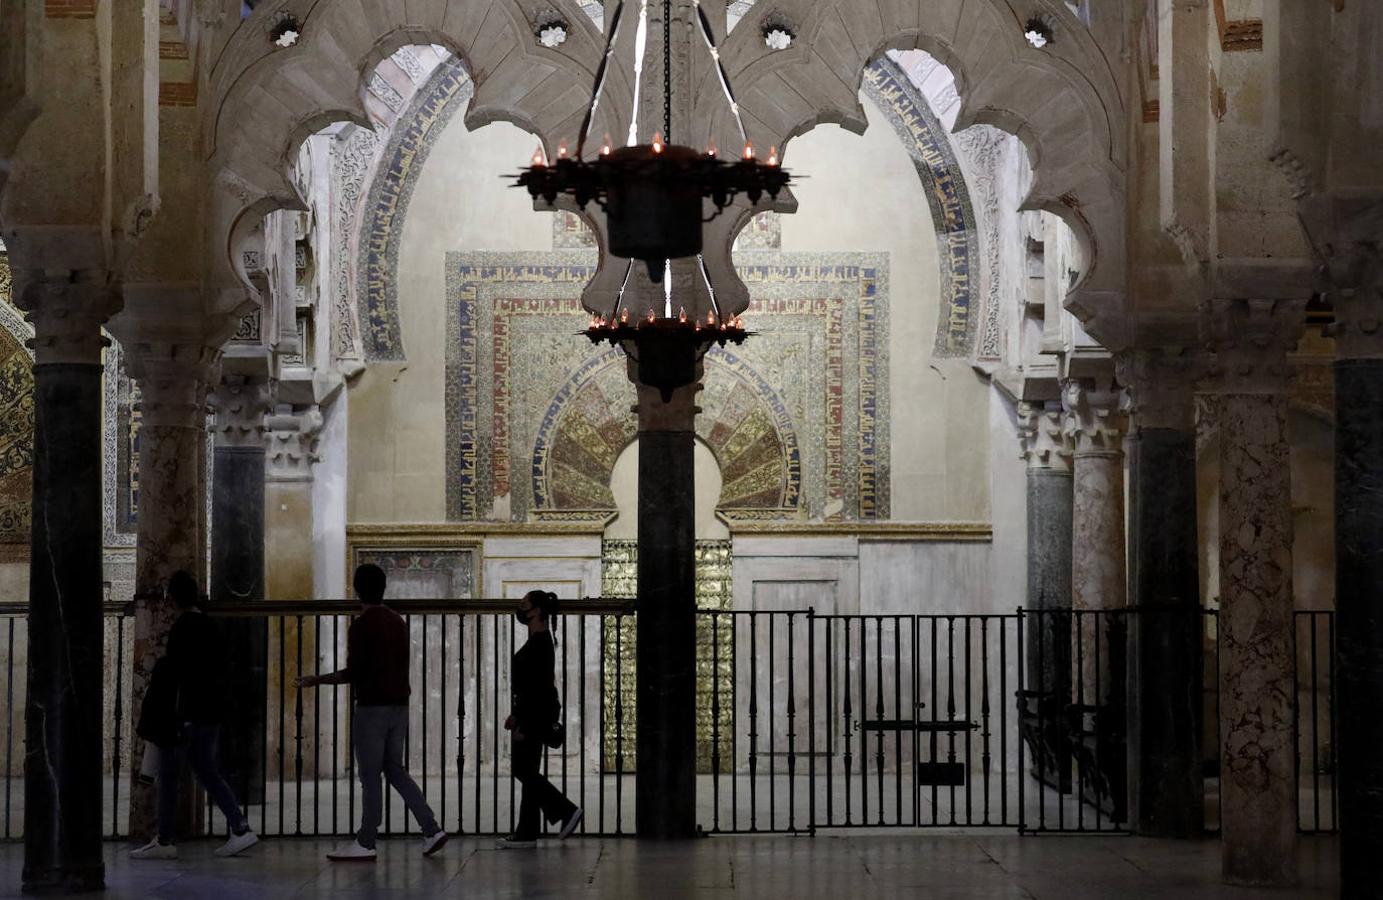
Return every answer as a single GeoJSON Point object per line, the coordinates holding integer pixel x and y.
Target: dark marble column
{"type": "Point", "coordinates": [1250, 340]}
{"type": "Point", "coordinates": [64, 715]}
{"type": "Point", "coordinates": [1048, 623]}
{"type": "Point", "coordinates": [666, 628]}
{"type": "Point", "coordinates": [237, 568]}
{"type": "Point", "coordinates": [1167, 784]}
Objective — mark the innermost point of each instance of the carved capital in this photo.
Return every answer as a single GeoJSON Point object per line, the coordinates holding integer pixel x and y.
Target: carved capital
{"type": "Point", "coordinates": [173, 378]}
{"type": "Point", "coordinates": [1096, 418]}
{"type": "Point", "coordinates": [293, 437]}
{"type": "Point", "coordinates": [67, 316]}
{"type": "Point", "coordinates": [1248, 341]}
{"type": "Point", "coordinates": [1046, 445]}
{"type": "Point", "coordinates": [241, 403]}
{"type": "Point", "coordinates": [1161, 386]}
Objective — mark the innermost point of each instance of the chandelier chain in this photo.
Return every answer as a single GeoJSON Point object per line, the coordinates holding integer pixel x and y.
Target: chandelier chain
{"type": "Point", "coordinates": [667, 71]}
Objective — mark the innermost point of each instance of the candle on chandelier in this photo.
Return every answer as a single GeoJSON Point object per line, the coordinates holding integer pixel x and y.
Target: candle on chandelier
{"type": "Point", "coordinates": [658, 142]}
{"type": "Point", "coordinates": [605, 146]}
{"type": "Point", "coordinates": [682, 315]}
{"type": "Point", "coordinates": [710, 318]}
{"type": "Point", "coordinates": [711, 148]}
{"type": "Point", "coordinates": [749, 150]}
{"type": "Point", "coordinates": [773, 155]}
{"type": "Point", "coordinates": [650, 317]}
{"type": "Point", "coordinates": [538, 156]}
{"type": "Point", "coordinates": [624, 317]}
{"type": "Point", "coordinates": [562, 150]}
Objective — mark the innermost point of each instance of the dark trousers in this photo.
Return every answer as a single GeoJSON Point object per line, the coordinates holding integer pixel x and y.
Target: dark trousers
{"type": "Point", "coordinates": [199, 745]}
{"type": "Point", "coordinates": [539, 794]}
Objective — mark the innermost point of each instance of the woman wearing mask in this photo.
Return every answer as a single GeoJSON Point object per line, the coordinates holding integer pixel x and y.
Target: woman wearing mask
{"type": "Point", "coordinates": [534, 715]}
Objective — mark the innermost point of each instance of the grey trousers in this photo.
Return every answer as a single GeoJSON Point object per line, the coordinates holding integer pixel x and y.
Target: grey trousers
{"type": "Point", "coordinates": [378, 733]}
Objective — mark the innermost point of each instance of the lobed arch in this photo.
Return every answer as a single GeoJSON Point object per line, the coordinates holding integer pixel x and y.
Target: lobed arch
{"type": "Point", "coordinates": [266, 100]}
{"type": "Point", "coordinates": [1062, 101]}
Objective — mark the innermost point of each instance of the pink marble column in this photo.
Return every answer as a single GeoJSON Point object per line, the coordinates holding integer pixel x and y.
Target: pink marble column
{"type": "Point", "coordinates": [1249, 340]}
{"type": "Point", "coordinates": [172, 380]}
{"type": "Point", "coordinates": [1096, 422]}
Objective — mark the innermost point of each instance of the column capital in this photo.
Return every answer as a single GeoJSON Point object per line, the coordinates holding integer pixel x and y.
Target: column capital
{"type": "Point", "coordinates": [173, 378]}
{"type": "Point", "coordinates": [293, 436]}
{"type": "Point", "coordinates": [241, 403]}
{"type": "Point", "coordinates": [67, 317]}
{"type": "Point", "coordinates": [1096, 418]}
{"type": "Point", "coordinates": [1161, 385]}
{"type": "Point", "coordinates": [676, 414]}
{"type": "Point", "coordinates": [1248, 341]}
{"type": "Point", "coordinates": [1046, 444]}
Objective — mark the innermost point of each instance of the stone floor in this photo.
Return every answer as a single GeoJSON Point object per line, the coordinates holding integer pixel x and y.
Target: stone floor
{"type": "Point", "coordinates": [836, 867]}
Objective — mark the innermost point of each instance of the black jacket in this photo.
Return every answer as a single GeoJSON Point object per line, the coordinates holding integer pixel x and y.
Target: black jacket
{"type": "Point", "coordinates": [535, 705]}
{"type": "Point", "coordinates": [198, 659]}
{"type": "Point", "coordinates": [159, 723]}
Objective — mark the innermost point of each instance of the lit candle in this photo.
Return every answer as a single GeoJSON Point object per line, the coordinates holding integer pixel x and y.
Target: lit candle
{"type": "Point", "coordinates": [624, 317]}
{"type": "Point", "coordinates": [749, 150]}
{"type": "Point", "coordinates": [658, 142]}
{"type": "Point", "coordinates": [682, 315]}
{"type": "Point", "coordinates": [650, 317]}
{"type": "Point", "coordinates": [773, 155]}
{"type": "Point", "coordinates": [711, 147]}
{"type": "Point", "coordinates": [538, 156]}
{"type": "Point", "coordinates": [562, 150]}
{"type": "Point", "coordinates": [605, 147]}
{"type": "Point", "coordinates": [711, 318]}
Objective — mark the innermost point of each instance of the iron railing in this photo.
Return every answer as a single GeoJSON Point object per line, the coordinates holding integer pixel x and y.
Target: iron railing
{"type": "Point", "coordinates": [806, 721]}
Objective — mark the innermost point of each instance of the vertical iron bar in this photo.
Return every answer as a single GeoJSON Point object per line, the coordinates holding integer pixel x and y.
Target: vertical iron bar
{"type": "Point", "coordinates": [1021, 710]}
{"type": "Point", "coordinates": [935, 739]}
{"type": "Point", "coordinates": [916, 795]}
{"type": "Point", "coordinates": [283, 723]}
{"type": "Point", "coordinates": [335, 714]}
{"type": "Point", "coordinates": [898, 714]}
{"type": "Point", "coordinates": [951, 706]}
{"type": "Point", "coordinates": [600, 781]}
{"type": "Point", "coordinates": [1043, 686]}
{"type": "Point", "coordinates": [1296, 723]}
{"type": "Point", "coordinates": [1103, 619]}
{"type": "Point", "coordinates": [811, 719]}
{"type": "Point", "coordinates": [830, 722]}
{"type": "Point", "coordinates": [1004, 706]}
{"type": "Point", "coordinates": [772, 727]}
{"type": "Point", "coordinates": [792, 728]}
{"type": "Point", "coordinates": [715, 721]}
{"type": "Point", "coordinates": [1334, 758]}
{"type": "Point", "coordinates": [115, 767]}
{"type": "Point", "coordinates": [480, 718]}
{"type": "Point", "coordinates": [1080, 725]}
{"type": "Point", "coordinates": [969, 717]}
{"type": "Point", "coordinates": [442, 721]}
{"type": "Point", "coordinates": [317, 729]}
{"type": "Point", "coordinates": [581, 701]}
{"type": "Point", "coordinates": [734, 725]}
{"type": "Point", "coordinates": [297, 734]}
{"type": "Point", "coordinates": [1315, 727]}
{"type": "Point", "coordinates": [985, 754]}
{"type": "Point", "coordinates": [461, 726]}
{"type": "Point", "coordinates": [864, 711]}
{"type": "Point", "coordinates": [422, 722]}
{"type": "Point", "coordinates": [494, 775]}
{"type": "Point", "coordinates": [879, 710]}
{"type": "Point", "coordinates": [619, 724]}
{"type": "Point", "coordinates": [849, 725]}
{"type": "Point", "coordinates": [565, 715]}
{"type": "Point", "coordinates": [753, 720]}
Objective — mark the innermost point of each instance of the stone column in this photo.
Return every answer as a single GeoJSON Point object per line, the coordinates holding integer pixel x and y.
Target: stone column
{"type": "Point", "coordinates": [666, 626]}
{"type": "Point", "coordinates": [1048, 453]}
{"type": "Point", "coordinates": [1352, 228]}
{"type": "Point", "coordinates": [172, 379]}
{"type": "Point", "coordinates": [1095, 424]}
{"type": "Point", "coordinates": [292, 451]}
{"type": "Point", "coordinates": [63, 717]}
{"type": "Point", "coordinates": [237, 566]}
{"type": "Point", "coordinates": [1250, 340]}
{"type": "Point", "coordinates": [1165, 673]}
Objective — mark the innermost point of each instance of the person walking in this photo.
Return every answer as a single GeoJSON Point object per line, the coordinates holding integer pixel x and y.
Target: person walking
{"type": "Point", "coordinates": [182, 717]}
{"type": "Point", "coordinates": [377, 660]}
{"type": "Point", "coordinates": [534, 719]}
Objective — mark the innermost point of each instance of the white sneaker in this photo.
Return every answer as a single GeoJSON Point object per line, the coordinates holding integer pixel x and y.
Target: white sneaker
{"type": "Point", "coordinates": [570, 824]}
{"type": "Point", "coordinates": [237, 844]}
{"type": "Point", "coordinates": [155, 850]}
{"type": "Point", "coordinates": [513, 843]}
{"type": "Point", "coordinates": [435, 842]}
{"type": "Point", "coordinates": [352, 852]}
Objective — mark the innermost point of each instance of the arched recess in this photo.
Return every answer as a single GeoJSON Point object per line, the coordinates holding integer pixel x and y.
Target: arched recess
{"type": "Point", "coordinates": [1062, 101]}
{"type": "Point", "coordinates": [266, 99]}
{"type": "Point", "coordinates": [745, 425]}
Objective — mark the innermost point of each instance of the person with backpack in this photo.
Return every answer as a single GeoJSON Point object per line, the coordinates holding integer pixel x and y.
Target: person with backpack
{"type": "Point", "coordinates": [377, 661]}
{"type": "Point", "coordinates": [187, 694]}
{"type": "Point", "coordinates": [534, 721]}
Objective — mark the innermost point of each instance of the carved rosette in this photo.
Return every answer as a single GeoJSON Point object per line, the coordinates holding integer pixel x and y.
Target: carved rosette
{"type": "Point", "coordinates": [1248, 341]}
{"type": "Point", "coordinates": [1046, 444]}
